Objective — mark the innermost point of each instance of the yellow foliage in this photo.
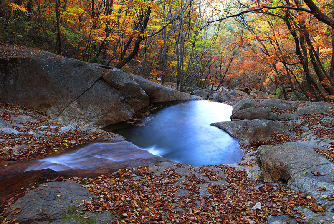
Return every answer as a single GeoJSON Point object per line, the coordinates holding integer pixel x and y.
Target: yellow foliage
{"type": "Point", "coordinates": [16, 7]}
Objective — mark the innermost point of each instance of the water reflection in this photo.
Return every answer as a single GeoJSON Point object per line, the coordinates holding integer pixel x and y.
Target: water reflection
{"type": "Point", "coordinates": [183, 133]}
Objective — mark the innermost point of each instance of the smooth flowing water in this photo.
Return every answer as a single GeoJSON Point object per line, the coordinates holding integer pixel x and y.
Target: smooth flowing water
{"type": "Point", "coordinates": [182, 133]}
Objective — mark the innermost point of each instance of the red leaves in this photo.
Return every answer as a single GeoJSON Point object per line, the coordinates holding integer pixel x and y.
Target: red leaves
{"type": "Point", "coordinates": [41, 138]}
{"type": "Point", "coordinates": [316, 173]}
{"type": "Point", "coordinates": [150, 198]}
{"type": "Point", "coordinates": [321, 189]}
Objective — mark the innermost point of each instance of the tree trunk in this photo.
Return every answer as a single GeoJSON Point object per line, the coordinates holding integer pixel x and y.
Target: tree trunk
{"type": "Point", "coordinates": [137, 41]}
{"type": "Point", "coordinates": [58, 27]}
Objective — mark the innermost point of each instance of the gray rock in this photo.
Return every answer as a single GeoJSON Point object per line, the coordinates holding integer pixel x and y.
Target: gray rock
{"type": "Point", "coordinates": [282, 104]}
{"type": "Point", "coordinates": [251, 130]}
{"type": "Point", "coordinates": [133, 94]}
{"type": "Point", "coordinates": [49, 203]}
{"type": "Point", "coordinates": [75, 92]}
{"type": "Point", "coordinates": [99, 106]}
{"type": "Point", "coordinates": [283, 162]}
{"type": "Point", "coordinates": [266, 103]}
{"type": "Point", "coordinates": [314, 107]}
{"type": "Point", "coordinates": [158, 93]}
{"type": "Point", "coordinates": [4, 123]}
{"type": "Point", "coordinates": [67, 128]}
{"type": "Point", "coordinates": [287, 117]}
{"type": "Point", "coordinates": [23, 119]}
{"type": "Point", "coordinates": [257, 206]}
{"type": "Point", "coordinates": [218, 97]}
{"type": "Point", "coordinates": [43, 82]}
{"type": "Point", "coordinates": [5, 130]}
{"type": "Point", "coordinates": [254, 113]}
{"type": "Point", "coordinates": [229, 96]}
{"type": "Point", "coordinates": [243, 104]}
{"type": "Point", "coordinates": [204, 93]}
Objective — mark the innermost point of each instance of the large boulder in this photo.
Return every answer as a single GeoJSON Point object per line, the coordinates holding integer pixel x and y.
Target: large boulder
{"type": "Point", "coordinates": [158, 93]}
{"type": "Point", "coordinates": [75, 92]}
{"type": "Point", "coordinates": [249, 131]}
{"type": "Point", "coordinates": [133, 94]}
{"type": "Point", "coordinates": [298, 165]}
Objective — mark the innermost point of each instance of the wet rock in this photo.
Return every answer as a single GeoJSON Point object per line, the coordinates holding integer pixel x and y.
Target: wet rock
{"type": "Point", "coordinates": [96, 156]}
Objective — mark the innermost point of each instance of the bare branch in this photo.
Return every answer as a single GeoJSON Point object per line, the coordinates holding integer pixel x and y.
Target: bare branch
{"type": "Point", "coordinates": [318, 14]}
{"type": "Point", "coordinates": [169, 22]}
{"type": "Point", "coordinates": [260, 9]}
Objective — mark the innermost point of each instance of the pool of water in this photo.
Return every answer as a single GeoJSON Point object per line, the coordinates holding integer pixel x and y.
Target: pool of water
{"type": "Point", "coordinates": [182, 133]}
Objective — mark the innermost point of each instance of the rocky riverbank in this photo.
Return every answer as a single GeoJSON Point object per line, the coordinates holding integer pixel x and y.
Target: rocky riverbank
{"type": "Point", "coordinates": [286, 175]}
{"type": "Point", "coordinates": [277, 182]}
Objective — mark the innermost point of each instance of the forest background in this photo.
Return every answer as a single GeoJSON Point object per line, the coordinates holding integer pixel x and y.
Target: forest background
{"type": "Point", "coordinates": [282, 47]}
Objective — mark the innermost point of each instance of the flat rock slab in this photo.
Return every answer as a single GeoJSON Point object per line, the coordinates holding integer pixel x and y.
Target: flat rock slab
{"type": "Point", "coordinates": [90, 161]}
{"type": "Point", "coordinates": [93, 156]}
{"type": "Point", "coordinates": [252, 130]}
{"type": "Point", "coordinates": [298, 165]}
{"type": "Point", "coordinates": [50, 203]}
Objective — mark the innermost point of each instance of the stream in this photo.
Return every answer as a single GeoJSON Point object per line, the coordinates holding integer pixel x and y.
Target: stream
{"type": "Point", "coordinates": [182, 133]}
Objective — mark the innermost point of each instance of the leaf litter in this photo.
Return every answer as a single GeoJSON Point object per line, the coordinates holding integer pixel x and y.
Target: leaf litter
{"type": "Point", "coordinates": [139, 196]}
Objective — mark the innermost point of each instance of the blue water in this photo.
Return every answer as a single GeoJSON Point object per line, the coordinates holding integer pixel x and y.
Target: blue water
{"type": "Point", "coordinates": [182, 133]}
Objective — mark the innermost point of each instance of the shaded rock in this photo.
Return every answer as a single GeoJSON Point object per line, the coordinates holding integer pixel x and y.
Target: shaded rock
{"type": "Point", "coordinates": [101, 105]}
{"type": "Point", "coordinates": [158, 93]}
{"type": "Point", "coordinates": [251, 130]}
{"type": "Point", "coordinates": [243, 104]}
{"type": "Point", "coordinates": [75, 92]}
{"type": "Point", "coordinates": [300, 167]}
{"type": "Point", "coordinates": [204, 93]}
{"type": "Point", "coordinates": [43, 82]}
{"type": "Point", "coordinates": [133, 94]}
{"type": "Point", "coordinates": [254, 113]}
{"type": "Point", "coordinates": [48, 202]}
